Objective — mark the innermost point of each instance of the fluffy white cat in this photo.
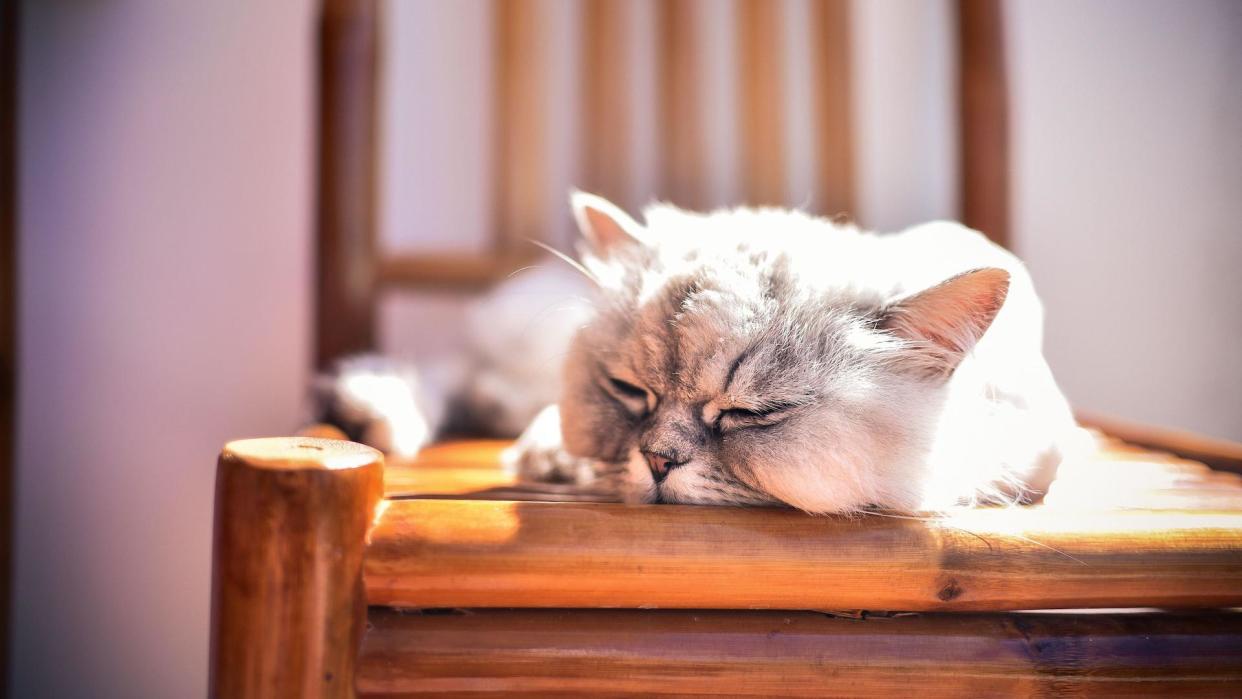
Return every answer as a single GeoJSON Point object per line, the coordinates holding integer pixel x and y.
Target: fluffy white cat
{"type": "Point", "coordinates": [764, 356]}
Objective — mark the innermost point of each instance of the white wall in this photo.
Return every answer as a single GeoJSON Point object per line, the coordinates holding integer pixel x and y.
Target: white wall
{"type": "Point", "coordinates": [1128, 201]}
{"type": "Point", "coordinates": [165, 200]}
{"type": "Point", "coordinates": [905, 112]}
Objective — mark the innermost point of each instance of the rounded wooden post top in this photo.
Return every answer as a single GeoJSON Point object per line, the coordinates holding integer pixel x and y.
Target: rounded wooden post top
{"type": "Point", "coordinates": [300, 453]}
{"type": "Point", "coordinates": [288, 603]}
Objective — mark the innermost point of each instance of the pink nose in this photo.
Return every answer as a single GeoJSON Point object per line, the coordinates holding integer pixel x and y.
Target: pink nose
{"type": "Point", "coordinates": [661, 463]}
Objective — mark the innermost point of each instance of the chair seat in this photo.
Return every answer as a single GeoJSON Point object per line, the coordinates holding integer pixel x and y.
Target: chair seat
{"type": "Point", "coordinates": [482, 584]}
{"type": "Point", "coordinates": [1126, 527]}
{"type": "Point", "coordinates": [1117, 475]}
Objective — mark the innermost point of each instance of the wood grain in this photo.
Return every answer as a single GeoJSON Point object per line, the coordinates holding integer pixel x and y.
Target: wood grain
{"type": "Point", "coordinates": [636, 653]}
{"type": "Point", "coordinates": [445, 553]}
{"type": "Point", "coordinates": [456, 271]}
{"type": "Point", "coordinates": [290, 530]}
{"type": "Point", "coordinates": [604, 84]}
{"type": "Point", "coordinates": [520, 123]}
{"type": "Point", "coordinates": [761, 93]}
{"type": "Point", "coordinates": [983, 118]}
{"type": "Point", "coordinates": [471, 470]}
{"type": "Point", "coordinates": [1120, 475]}
{"type": "Point", "coordinates": [1117, 475]}
{"type": "Point", "coordinates": [830, 47]}
{"type": "Point", "coordinates": [682, 145]}
{"type": "Point", "coordinates": [1220, 454]}
{"type": "Point", "coordinates": [348, 168]}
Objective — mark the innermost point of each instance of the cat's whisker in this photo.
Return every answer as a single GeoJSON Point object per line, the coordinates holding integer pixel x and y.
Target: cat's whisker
{"type": "Point", "coordinates": [519, 270]}
{"type": "Point", "coordinates": [890, 515]}
{"type": "Point", "coordinates": [1046, 546]}
{"type": "Point", "coordinates": [947, 520]}
{"type": "Point", "coordinates": [567, 260]}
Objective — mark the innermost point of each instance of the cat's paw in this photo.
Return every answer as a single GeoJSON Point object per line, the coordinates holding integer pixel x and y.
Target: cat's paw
{"type": "Point", "coordinates": [539, 455]}
{"type": "Point", "coordinates": [548, 465]}
{"type": "Point", "coordinates": [379, 401]}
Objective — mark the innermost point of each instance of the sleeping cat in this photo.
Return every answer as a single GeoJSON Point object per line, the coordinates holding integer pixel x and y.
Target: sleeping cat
{"type": "Point", "coordinates": [763, 356]}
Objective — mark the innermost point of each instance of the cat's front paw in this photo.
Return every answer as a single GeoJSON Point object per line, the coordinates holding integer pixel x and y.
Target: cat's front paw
{"type": "Point", "coordinates": [540, 456]}
{"type": "Point", "coordinates": [548, 465]}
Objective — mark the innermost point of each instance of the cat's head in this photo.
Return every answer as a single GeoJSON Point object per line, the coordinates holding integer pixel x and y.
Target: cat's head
{"type": "Point", "coordinates": [720, 368]}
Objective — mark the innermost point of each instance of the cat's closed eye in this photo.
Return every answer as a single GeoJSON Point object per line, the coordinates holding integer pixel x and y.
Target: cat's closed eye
{"type": "Point", "coordinates": [746, 413]}
{"type": "Point", "coordinates": [633, 397]}
{"type": "Point", "coordinates": [739, 417]}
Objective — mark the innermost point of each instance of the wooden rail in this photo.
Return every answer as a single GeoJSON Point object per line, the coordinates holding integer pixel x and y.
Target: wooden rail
{"type": "Point", "coordinates": [633, 653]}
{"type": "Point", "coordinates": [444, 553]}
{"type": "Point", "coordinates": [291, 579]}
{"type": "Point", "coordinates": [1220, 454]}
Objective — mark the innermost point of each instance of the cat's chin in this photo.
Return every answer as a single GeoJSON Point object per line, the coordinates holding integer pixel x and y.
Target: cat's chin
{"type": "Point", "coordinates": [641, 489]}
{"type": "Point", "coordinates": [684, 486]}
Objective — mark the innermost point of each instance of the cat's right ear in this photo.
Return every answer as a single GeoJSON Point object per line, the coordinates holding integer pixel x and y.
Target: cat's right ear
{"type": "Point", "coordinates": [943, 323]}
{"type": "Point", "coordinates": [604, 225]}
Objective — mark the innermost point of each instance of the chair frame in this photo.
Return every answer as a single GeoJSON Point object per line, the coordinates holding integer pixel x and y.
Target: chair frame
{"type": "Point", "coordinates": [352, 271]}
{"type": "Point", "coordinates": [306, 537]}
{"type": "Point", "coordinates": [328, 581]}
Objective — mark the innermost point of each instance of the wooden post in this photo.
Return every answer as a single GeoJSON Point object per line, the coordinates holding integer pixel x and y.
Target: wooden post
{"type": "Point", "coordinates": [984, 118]}
{"type": "Point", "coordinates": [288, 605]}
{"type": "Point", "coordinates": [346, 254]}
{"type": "Point", "coordinates": [761, 90]}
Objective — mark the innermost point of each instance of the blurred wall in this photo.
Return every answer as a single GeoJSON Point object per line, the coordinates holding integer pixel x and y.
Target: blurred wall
{"type": "Point", "coordinates": [1128, 201]}
{"type": "Point", "coordinates": [165, 244]}
{"type": "Point", "coordinates": [905, 112]}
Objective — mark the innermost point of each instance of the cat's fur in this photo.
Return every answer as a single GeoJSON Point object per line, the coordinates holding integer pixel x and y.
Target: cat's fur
{"type": "Point", "coordinates": [766, 356]}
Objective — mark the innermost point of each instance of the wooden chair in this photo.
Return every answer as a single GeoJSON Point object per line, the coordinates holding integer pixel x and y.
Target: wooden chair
{"type": "Point", "coordinates": [336, 574]}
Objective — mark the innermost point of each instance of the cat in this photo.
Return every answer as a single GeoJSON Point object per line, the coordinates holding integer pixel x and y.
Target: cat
{"type": "Point", "coordinates": [768, 357]}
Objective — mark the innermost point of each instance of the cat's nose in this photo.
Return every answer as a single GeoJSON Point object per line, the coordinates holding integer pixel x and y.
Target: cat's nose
{"type": "Point", "coordinates": [661, 462]}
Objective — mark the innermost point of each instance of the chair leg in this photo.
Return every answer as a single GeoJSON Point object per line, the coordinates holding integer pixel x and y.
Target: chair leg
{"type": "Point", "coordinates": [288, 605]}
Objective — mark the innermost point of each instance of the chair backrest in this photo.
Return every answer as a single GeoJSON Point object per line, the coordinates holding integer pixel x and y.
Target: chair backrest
{"type": "Point", "coordinates": [736, 92]}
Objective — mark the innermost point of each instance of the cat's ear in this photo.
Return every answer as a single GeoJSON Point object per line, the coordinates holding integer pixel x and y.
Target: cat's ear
{"type": "Point", "coordinates": [604, 225]}
{"type": "Point", "coordinates": [947, 320]}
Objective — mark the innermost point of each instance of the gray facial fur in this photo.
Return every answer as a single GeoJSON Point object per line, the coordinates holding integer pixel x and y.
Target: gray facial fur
{"type": "Point", "coordinates": [722, 352]}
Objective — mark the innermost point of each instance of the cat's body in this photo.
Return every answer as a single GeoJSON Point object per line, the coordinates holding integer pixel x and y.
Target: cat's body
{"type": "Point", "coordinates": [765, 356]}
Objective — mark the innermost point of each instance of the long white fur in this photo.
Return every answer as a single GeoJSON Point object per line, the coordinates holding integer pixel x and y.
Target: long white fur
{"type": "Point", "coordinates": [997, 426]}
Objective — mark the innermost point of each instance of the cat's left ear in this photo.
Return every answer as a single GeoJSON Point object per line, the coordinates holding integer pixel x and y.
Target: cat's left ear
{"type": "Point", "coordinates": [947, 320]}
{"type": "Point", "coordinates": [604, 225]}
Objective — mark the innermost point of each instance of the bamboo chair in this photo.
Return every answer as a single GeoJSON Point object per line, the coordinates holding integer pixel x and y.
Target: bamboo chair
{"type": "Point", "coordinates": [335, 574]}
{"type": "Point", "coordinates": [442, 576]}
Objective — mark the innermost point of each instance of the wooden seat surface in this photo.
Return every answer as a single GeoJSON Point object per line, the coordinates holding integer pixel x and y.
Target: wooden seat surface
{"type": "Point", "coordinates": [869, 605]}
{"type": "Point", "coordinates": [1117, 475]}
{"type": "Point", "coordinates": [1124, 528]}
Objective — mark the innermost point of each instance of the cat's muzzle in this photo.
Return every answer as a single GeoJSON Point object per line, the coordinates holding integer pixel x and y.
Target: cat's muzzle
{"type": "Point", "coordinates": [662, 462]}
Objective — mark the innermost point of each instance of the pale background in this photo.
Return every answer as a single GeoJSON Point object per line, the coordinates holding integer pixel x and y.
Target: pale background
{"type": "Point", "coordinates": [166, 193]}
